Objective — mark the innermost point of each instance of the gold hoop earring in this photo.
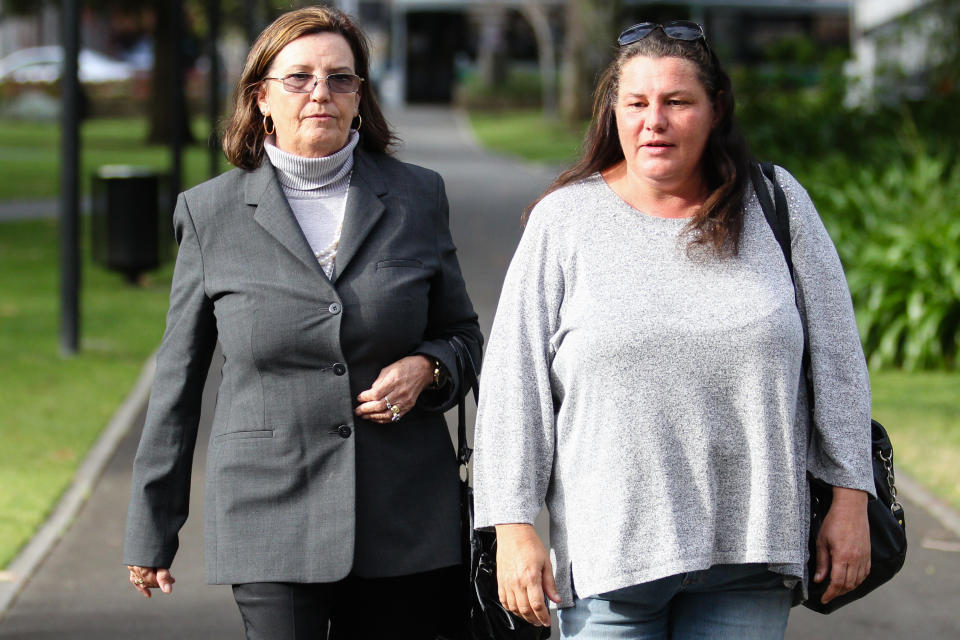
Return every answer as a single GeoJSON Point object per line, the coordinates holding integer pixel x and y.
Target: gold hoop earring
{"type": "Point", "coordinates": [269, 132]}
{"type": "Point", "coordinates": [359, 122]}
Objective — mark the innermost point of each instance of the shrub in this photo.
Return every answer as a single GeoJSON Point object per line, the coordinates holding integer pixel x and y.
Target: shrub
{"type": "Point", "coordinates": [521, 89]}
{"type": "Point", "coordinates": [898, 233]}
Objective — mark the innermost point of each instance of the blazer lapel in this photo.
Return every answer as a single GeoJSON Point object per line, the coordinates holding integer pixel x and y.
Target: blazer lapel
{"type": "Point", "coordinates": [364, 208]}
{"type": "Point", "coordinates": [275, 216]}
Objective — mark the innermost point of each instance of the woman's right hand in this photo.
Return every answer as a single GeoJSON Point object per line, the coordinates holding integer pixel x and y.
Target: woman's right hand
{"type": "Point", "coordinates": [524, 573]}
{"type": "Point", "coordinates": [145, 578]}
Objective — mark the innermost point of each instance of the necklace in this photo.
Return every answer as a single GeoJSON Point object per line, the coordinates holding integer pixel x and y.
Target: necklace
{"type": "Point", "coordinates": [328, 254]}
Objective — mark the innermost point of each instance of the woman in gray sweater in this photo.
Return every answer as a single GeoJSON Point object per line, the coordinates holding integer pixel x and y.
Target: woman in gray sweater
{"type": "Point", "coordinates": [644, 380]}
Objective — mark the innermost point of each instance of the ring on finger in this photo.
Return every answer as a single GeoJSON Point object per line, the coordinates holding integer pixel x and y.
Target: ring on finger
{"type": "Point", "coordinates": [395, 409]}
{"type": "Point", "coordinates": [138, 581]}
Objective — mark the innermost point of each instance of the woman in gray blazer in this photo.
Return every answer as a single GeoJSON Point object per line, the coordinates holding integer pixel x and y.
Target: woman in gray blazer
{"type": "Point", "coordinates": [326, 270]}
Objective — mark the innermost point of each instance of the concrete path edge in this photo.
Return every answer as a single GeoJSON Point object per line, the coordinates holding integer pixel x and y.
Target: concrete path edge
{"type": "Point", "coordinates": [46, 537]}
{"type": "Point", "coordinates": [916, 493]}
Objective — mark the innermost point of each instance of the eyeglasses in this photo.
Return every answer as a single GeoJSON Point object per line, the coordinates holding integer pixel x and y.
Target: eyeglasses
{"type": "Point", "coordinates": [676, 29]}
{"type": "Point", "coordinates": [307, 82]}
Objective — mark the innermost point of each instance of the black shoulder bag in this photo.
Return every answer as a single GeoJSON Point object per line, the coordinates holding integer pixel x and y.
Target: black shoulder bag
{"type": "Point", "coordinates": [486, 618]}
{"type": "Point", "coordinates": [888, 535]}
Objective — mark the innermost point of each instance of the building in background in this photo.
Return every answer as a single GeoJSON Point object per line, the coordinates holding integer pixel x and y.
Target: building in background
{"type": "Point", "coordinates": [892, 49]}
{"type": "Point", "coordinates": [424, 47]}
{"type": "Point", "coordinates": [21, 32]}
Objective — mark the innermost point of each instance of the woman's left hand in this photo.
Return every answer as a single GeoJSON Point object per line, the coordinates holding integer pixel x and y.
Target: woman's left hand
{"type": "Point", "coordinates": [144, 579]}
{"type": "Point", "coordinates": [843, 545]}
{"type": "Point", "coordinates": [398, 385]}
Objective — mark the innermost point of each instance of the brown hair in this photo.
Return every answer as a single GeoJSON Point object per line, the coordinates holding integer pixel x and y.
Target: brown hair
{"type": "Point", "coordinates": [244, 134]}
{"type": "Point", "coordinates": [726, 158]}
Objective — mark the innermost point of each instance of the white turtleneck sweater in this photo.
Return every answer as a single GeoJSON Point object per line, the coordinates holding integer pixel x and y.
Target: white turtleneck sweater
{"type": "Point", "coordinates": [316, 189]}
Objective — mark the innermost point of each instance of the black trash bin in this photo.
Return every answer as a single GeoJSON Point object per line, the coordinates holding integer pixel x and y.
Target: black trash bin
{"type": "Point", "coordinates": [130, 223]}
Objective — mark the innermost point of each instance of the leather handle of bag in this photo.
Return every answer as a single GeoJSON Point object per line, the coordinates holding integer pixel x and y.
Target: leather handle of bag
{"type": "Point", "coordinates": [468, 378]}
{"type": "Point", "coordinates": [775, 211]}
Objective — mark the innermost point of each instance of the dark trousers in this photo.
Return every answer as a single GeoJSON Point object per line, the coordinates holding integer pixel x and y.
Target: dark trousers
{"type": "Point", "coordinates": [424, 606]}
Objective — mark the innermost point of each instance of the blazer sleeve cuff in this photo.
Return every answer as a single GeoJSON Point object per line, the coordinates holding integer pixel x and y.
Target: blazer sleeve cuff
{"type": "Point", "coordinates": [447, 395]}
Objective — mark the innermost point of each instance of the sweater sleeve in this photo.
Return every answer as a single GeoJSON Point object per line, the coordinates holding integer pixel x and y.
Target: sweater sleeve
{"type": "Point", "coordinates": [515, 433]}
{"type": "Point", "coordinates": [839, 450]}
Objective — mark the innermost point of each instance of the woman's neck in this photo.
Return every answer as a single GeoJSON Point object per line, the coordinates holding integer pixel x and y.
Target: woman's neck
{"type": "Point", "coordinates": [664, 199]}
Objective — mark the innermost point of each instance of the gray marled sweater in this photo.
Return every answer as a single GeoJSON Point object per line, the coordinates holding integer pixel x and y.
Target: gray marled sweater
{"type": "Point", "coordinates": [653, 399]}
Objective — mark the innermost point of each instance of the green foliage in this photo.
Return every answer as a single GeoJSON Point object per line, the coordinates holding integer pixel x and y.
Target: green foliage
{"type": "Point", "coordinates": [521, 89]}
{"type": "Point", "coordinates": [887, 184]}
{"type": "Point", "coordinates": [945, 74]}
{"type": "Point", "coordinates": [898, 233]}
{"type": "Point", "coordinates": [793, 112]}
{"type": "Point", "coordinates": [931, 35]}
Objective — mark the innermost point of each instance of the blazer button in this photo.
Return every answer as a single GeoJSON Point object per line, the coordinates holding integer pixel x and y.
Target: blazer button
{"type": "Point", "coordinates": [334, 308]}
{"type": "Point", "coordinates": [339, 369]}
{"type": "Point", "coordinates": [344, 431]}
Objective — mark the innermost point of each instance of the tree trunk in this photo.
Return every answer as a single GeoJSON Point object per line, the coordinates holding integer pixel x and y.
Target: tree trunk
{"type": "Point", "coordinates": [587, 49]}
{"type": "Point", "coordinates": [160, 110]}
{"type": "Point", "coordinates": [536, 14]}
{"type": "Point", "coordinates": [492, 63]}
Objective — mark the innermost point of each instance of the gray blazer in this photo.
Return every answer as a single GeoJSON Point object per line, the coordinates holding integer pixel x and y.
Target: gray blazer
{"type": "Point", "coordinates": [299, 489]}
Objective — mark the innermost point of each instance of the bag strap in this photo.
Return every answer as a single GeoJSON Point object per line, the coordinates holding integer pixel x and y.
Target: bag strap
{"type": "Point", "coordinates": [777, 214]}
{"type": "Point", "coordinates": [775, 211]}
{"type": "Point", "coordinates": [467, 374]}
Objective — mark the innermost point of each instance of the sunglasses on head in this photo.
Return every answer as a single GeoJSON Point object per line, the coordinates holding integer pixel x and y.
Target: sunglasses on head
{"type": "Point", "coordinates": [676, 29]}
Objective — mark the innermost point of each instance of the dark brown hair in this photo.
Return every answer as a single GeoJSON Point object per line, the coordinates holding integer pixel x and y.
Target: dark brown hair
{"type": "Point", "coordinates": [244, 135]}
{"type": "Point", "coordinates": [726, 158]}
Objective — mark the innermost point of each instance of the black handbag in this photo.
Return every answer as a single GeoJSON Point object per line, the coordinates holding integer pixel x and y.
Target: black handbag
{"type": "Point", "coordinates": [486, 618]}
{"type": "Point", "coordinates": [888, 534]}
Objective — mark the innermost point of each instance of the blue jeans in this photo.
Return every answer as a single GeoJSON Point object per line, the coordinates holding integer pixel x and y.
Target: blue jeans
{"type": "Point", "coordinates": [725, 602]}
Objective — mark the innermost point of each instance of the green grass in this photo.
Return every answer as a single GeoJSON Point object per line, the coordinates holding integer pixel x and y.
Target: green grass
{"type": "Point", "coordinates": [921, 411]}
{"type": "Point", "coordinates": [526, 134]}
{"type": "Point", "coordinates": [29, 154]}
{"type": "Point", "coordinates": [53, 407]}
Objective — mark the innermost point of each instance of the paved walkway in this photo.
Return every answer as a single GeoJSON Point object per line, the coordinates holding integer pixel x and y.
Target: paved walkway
{"type": "Point", "coordinates": [81, 593]}
{"type": "Point", "coordinates": [35, 209]}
